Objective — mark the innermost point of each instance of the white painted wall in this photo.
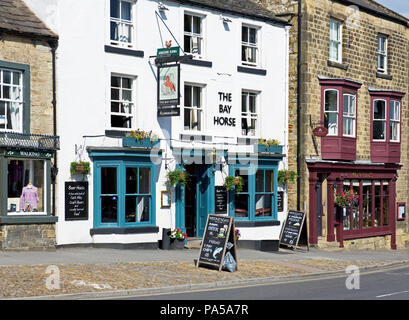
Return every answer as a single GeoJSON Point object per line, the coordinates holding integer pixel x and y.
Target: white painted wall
{"type": "Point", "coordinates": [83, 90]}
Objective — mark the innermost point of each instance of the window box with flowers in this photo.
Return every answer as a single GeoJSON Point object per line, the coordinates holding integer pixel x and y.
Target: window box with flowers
{"type": "Point", "coordinates": [268, 145]}
{"type": "Point", "coordinates": [177, 239]}
{"type": "Point", "coordinates": [141, 139]}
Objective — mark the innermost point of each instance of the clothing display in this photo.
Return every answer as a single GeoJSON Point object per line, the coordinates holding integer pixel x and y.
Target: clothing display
{"type": "Point", "coordinates": [29, 198]}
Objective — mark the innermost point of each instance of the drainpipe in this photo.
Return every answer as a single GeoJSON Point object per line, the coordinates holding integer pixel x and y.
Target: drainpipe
{"type": "Point", "coordinates": [299, 106]}
{"type": "Point", "coordinates": [54, 169]}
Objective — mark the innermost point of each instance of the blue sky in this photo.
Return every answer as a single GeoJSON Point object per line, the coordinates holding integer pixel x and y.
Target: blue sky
{"type": "Point", "coordinates": [399, 6]}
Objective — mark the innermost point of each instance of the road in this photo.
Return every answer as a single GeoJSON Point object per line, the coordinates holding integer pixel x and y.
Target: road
{"type": "Point", "coordinates": [384, 284]}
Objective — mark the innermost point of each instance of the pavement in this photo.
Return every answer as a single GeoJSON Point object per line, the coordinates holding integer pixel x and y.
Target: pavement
{"type": "Point", "coordinates": [100, 273]}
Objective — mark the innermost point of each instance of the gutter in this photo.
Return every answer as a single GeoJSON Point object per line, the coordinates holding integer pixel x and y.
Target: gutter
{"type": "Point", "coordinates": [299, 106]}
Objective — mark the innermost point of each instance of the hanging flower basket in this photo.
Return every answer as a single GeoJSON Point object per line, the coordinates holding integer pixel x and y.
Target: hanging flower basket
{"type": "Point", "coordinates": [233, 183]}
{"type": "Point", "coordinates": [177, 177]}
{"type": "Point", "coordinates": [81, 167]}
{"type": "Point", "coordinates": [286, 175]}
{"type": "Point", "coordinates": [346, 199]}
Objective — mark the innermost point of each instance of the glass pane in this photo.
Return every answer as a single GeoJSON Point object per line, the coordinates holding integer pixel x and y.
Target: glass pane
{"type": "Point", "coordinates": [379, 130]}
{"type": "Point", "coordinates": [188, 23]}
{"type": "Point", "coordinates": [269, 181]}
{"type": "Point", "coordinates": [2, 115]}
{"type": "Point", "coordinates": [115, 82]}
{"type": "Point", "coordinates": [131, 180]}
{"type": "Point", "coordinates": [244, 102]}
{"type": "Point", "coordinates": [252, 102]}
{"type": "Point", "coordinates": [243, 53]}
{"type": "Point", "coordinates": [385, 209]}
{"type": "Point", "coordinates": [244, 174]}
{"type": "Point", "coordinates": [6, 92]}
{"type": "Point", "coordinates": [188, 96]}
{"type": "Point", "coordinates": [377, 204]}
{"type": "Point", "coordinates": [121, 122]}
{"type": "Point", "coordinates": [241, 205]}
{"type": "Point", "coordinates": [109, 208]}
{"type": "Point", "coordinates": [126, 11]}
{"type": "Point", "coordinates": [108, 181]}
{"type": "Point", "coordinates": [114, 31]}
{"type": "Point", "coordinates": [394, 131]}
{"type": "Point", "coordinates": [331, 122]}
{"type": "Point", "coordinates": [115, 9]}
{"type": "Point", "coordinates": [346, 216]}
{"type": "Point", "coordinates": [367, 203]}
{"type": "Point", "coordinates": [127, 83]}
{"type": "Point", "coordinates": [379, 110]}
{"type": "Point", "coordinates": [14, 116]}
{"type": "Point", "coordinates": [143, 208]}
{"type": "Point", "coordinates": [130, 209]}
{"type": "Point", "coordinates": [6, 77]}
{"type": "Point", "coordinates": [268, 205]}
{"type": "Point", "coordinates": [16, 94]}
{"type": "Point", "coordinates": [331, 100]}
{"type": "Point", "coordinates": [252, 36]}
{"type": "Point", "coordinates": [114, 94]}
{"type": "Point", "coordinates": [355, 208]}
{"type": "Point", "coordinates": [126, 35]}
{"type": "Point", "coordinates": [260, 181]}
{"type": "Point", "coordinates": [187, 44]}
{"type": "Point", "coordinates": [197, 97]}
{"type": "Point", "coordinates": [197, 25]}
{"type": "Point", "coordinates": [127, 95]}
{"type": "Point", "coordinates": [115, 106]}
{"type": "Point", "coordinates": [126, 107]}
{"type": "Point", "coordinates": [187, 119]}
{"type": "Point", "coordinates": [16, 78]}
{"type": "Point", "coordinates": [144, 181]}
{"type": "Point", "coordinates": [244, 34]}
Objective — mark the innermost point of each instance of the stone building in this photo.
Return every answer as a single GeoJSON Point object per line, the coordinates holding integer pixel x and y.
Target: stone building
{"type": "Point", "coordinates": [28, 139]}
{"type": "Point", "coordinates": [348, 118]}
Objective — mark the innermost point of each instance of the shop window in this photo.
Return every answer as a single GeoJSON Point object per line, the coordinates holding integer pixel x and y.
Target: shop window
{"type": "Point", "coordinates": [193, 34]}
{"type": "Point", "coordinates": [121, 23]}
{"type": "Point", "coordinates": [264, 193]}
{"type": "Point", "coordinates": [249, 45]}
{"type": "Point", "coordinates": [122, 102]}
{"type": "Point", "coordinates": [193, 108]}
{"type": "Point", "coordinates": [385, 126]}
{"type": "Point", "coordinates": [335, 41]}
{"type": "Point", "coordinates": [249, 113]}
{"type": "Point", "coordinates": [26, 187]}
{"type": "Point", "coordinates": [11, 100]}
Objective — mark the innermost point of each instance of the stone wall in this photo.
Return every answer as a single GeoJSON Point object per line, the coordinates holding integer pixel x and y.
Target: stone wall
{"type": "Point", "coordinates": [21, 237]}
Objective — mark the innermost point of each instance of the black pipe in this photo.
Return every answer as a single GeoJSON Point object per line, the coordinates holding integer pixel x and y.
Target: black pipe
{"type": "Point", "coordinates": [299, 106]}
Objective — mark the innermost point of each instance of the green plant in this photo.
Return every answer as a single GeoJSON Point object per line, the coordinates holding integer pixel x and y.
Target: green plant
{"type": "Point", "coordinates": [80, 167]}
{"type": "Point", "coordinates": [178, 176]}
{"type": "Point", "coordinates": [286, 175]}
{"type": "Point", "coordinates": [268, 142]}
{"type": "Point", "coordinates": [233, 183]}
{"type": "Point", "coordinates": [141, 134]}
{"type": "Point", "coordinates": [178, 234]}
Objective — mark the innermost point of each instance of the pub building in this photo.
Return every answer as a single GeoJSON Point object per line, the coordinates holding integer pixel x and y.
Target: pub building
{"type": "Point", "coordinates": [352, 122]}
{"type": "Point", "coordinates": [28, 140]}
{"type": "Point", "coordinates": [209, 78]}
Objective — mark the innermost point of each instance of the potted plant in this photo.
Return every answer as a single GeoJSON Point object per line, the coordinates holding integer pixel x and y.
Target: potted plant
{"type": "Point", "coordinates": [81, 167]}
{"type": "Point", "coordinates": [286, 175]}
{"type": "Point", "coordinates": [237, 234]}
{"type": "Point", "coordinates": [346, 199]}
{"type": "Point", "coordinates": [268, 145]}
{"type": "Point", "coordinates": [141, 139]}
{"type": "Point", "coordinates": [177, 239]}
{"type": "Point", "coordinates": [233, 183]}
{"type": "Point", "coordinates": [177, 177]}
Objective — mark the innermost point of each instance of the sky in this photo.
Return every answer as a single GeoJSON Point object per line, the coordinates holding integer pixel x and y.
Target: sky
{"type": "Point", "coordinates": [399, 6]}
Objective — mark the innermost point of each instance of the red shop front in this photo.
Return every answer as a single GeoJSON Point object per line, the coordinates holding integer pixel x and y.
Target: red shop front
{"type": "Point", "coordinates": [373, 214]}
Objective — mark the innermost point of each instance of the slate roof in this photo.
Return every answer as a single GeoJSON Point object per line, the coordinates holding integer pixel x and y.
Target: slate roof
{"type": "Point", "coordinates": [245, 8]}
{"type": "Point", "coordinates": [16, 17]}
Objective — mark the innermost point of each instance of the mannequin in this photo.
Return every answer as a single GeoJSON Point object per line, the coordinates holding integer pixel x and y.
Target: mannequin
{"type": "Point", "coordinates": [29, 198]}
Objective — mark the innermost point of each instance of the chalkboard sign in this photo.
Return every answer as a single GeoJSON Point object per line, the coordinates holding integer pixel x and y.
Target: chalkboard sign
{"type": "Point", "coordinates": [76, 201]}
{"type": "Point", "coordinates": [280, 201]}
{"type": "Point", "coordinates": [220, 196]}
{"type": "Point", "coordinates": [290, 234]}
{"type": "Point", "coordinates": [218, 232]}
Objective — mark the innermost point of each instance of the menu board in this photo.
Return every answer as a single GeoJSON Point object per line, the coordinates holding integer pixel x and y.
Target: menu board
{"type": "Point", "coordinates": [218, 232]}
{"type": "Point", "coordinates": [290, 234]}
{"type": "Point", "coordinates": [220, 196]}
{"type": "Point", "coordinates": [280, 201]}
{"type": "Point", "coordinates": [76, 200]}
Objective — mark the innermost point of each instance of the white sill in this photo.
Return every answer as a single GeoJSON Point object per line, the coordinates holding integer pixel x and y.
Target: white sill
{"type": "Point", "coordinates": [26, 214]}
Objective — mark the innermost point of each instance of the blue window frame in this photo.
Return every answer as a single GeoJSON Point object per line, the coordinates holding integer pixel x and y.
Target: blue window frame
{"type": "Point", "coordinates": [124, 193]}
{"type": "Point", "coordinates": [258, 199]}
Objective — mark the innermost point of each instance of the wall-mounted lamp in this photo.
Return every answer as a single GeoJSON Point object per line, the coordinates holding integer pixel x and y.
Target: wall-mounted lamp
{"type": "Point", "coordinates": [334, 186]}
{"type": "Point", "coordinates": [224, 19]}
{"type": "Point", "coordinates": [162, 7]}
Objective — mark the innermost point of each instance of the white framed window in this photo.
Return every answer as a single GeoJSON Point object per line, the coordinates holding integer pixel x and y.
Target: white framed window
{"type": "Point", "coordinates": [122, 108]}
{"type": "Point", "coordinates": [349, 114]}
{"type": "Point", "coordinates": [379, 120]}
{"type": "Point", "coordinates": [250, 45]}
{"type": "Point", "coordinates": [331, 111]}
{"type": "Point", "coordinates": [193, 107]}
{"type": "Point", "coordinates": [249, 113]}
{"type": "Point", "coordinates": [335, 40]}
{"type": "Point", "coordinates": [394, 121]}
{"type": "Point", "coordinates": [11, 100]}
{"type": "Point", "coordinates": [122, 26]}
{"type": "Point", "coordinates": [382, 53]}
{"type": "Point", "coordinates": [193, 34]}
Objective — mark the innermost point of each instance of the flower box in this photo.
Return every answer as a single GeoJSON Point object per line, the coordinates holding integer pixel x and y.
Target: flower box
{"type": "Point", "coordinates": [177, 244]}
{"type": "Point", "coordinates": [141, 143]}
{"type": "Point", "coordinates": [268, 148]}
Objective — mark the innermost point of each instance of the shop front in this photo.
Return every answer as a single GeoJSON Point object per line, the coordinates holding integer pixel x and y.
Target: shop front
{"type": "Point", "coordinates": [352, 201]}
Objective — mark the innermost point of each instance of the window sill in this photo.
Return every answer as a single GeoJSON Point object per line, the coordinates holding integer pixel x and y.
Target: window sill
{"type": "Point", "coordinates": [383, 76]}
{"type": "Point", "coordinates": [28, 219]}
{"type": "Point", "coordinates": [198, 62]}
{"type": "Point", "coordinates": [130, 230]}
{"type": "Point", "coordinates": [252, 70]}
{"type": "Point", "coordinates": [124, 51]}
{"type": "Point", "coordinates": [116, 133]}
{"type": "Point", "coordinates": [343, 66]}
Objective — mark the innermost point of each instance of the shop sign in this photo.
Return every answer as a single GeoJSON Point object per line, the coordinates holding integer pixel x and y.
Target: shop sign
{"type": "Point", "coordinates": [320, 131]}
{"type": "Point", "coordinates": [290, 235]}
{"type": "Point", "coordinates": [76, 200]}
{"type": "Point", "coordinates": [28, 154]}
{"type": "Point", "coordinates": [168, 85]}
{"type": "Point", "coordinates": [168, 52]}
{"type": "Point", "coordinates": [225, 109]}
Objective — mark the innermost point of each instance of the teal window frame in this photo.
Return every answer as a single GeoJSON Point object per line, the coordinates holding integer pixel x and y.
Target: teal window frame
{"type": "Point", "coordinates": [252, 194]}
{"type": "Point", "coordinates": [121, 166]}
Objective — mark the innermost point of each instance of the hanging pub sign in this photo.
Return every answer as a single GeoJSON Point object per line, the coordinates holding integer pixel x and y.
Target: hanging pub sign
{"type": "Point", "coordinates": [169, 85]}
{"type": "Point", "coordinates": [320, 131]}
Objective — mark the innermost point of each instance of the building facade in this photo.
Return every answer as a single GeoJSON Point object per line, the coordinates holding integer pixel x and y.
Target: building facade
{"type": "Point", "coordinates": [232, 90]}
{"type": "Point", "coordinates": [28, 140]}
{"type": "Point", "coordinates": [348, 127]}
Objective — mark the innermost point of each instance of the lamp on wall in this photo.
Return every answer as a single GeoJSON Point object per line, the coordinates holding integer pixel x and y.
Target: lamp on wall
{"type": "Point", "coordinates": [162, 7]}
{"type": "Point", "coordinates": [224, 19]}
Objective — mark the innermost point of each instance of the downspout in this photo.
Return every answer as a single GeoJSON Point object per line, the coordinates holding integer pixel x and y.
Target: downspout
{"type": "Point", "coordinates": [299, 106]}
{"type": "Point", "coordinates": [54, 169]}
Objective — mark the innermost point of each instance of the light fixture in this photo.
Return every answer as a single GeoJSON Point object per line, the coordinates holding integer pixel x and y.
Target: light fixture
{"type": "Point", "coordinates": [162, 7]}
{"type": "Point", "coordinates": [224, 19]}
